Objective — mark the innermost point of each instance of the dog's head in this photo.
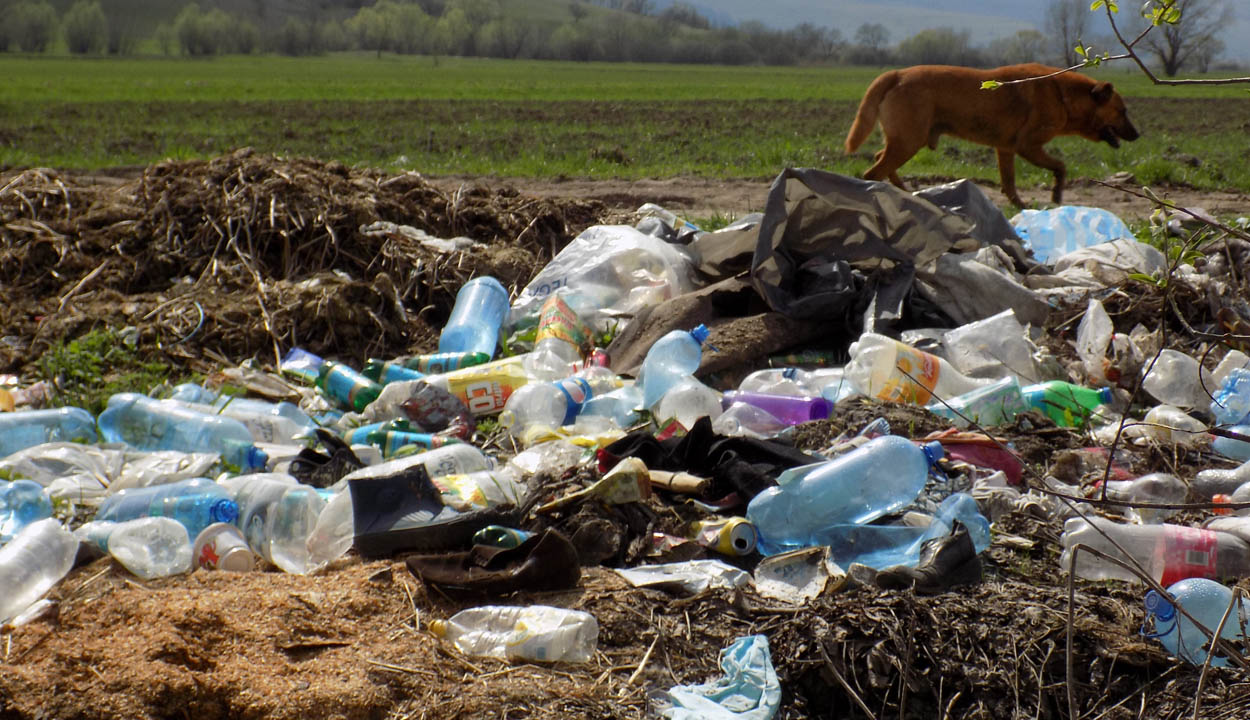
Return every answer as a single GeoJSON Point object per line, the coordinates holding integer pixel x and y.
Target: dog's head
{"type": "Point", "coordinates": [1109, 121]}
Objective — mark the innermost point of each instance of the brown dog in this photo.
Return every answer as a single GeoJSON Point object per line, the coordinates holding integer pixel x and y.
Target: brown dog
{"type": "Point", "coordinates": [917, 105]}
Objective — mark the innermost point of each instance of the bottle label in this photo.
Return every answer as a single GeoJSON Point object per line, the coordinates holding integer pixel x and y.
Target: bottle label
{"type": "Point", "coordinates": [558, 320]}
{"type": "Point", "coordinates": [916, 374]}
{"type": "Point", "coordinates": [576, 393]}
{"type": "Point", "coordinates": [439, 363]}
{"type": "Point", "coordinates": [1186, 553]}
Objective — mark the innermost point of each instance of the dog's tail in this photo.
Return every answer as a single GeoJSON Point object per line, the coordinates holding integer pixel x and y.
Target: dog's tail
{"type": "Point", "coordinates": [866, 118]}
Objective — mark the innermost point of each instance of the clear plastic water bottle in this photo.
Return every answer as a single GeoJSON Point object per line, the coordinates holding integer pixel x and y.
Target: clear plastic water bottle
{"type": "Point", "coordinates": [480, 309]}
{"type": "Point", "coordinates": [1230, 448]}
{"type": "Point", "coordinates": [545, 405]}
{"type": "Point", "coordinates": [1167, 552]}
{"type": "Point", "coordinates": [1160, 488]}
{"type": "Point", "coordinates": [536, 632]}
{"type": "Point", "coordinates": [277, 516]}
{"type": "Point", "coordinates": [1207, 601]}
{"type": "Point", "coordinates": [671, 359]}
{"type": "Point", "coordinates": [22, 502]}
{"type": "Point", "coordinates": [27, 428]}
{"type": "Point", "coordinates": [687, 401]}
{"type": "Point", "coordinates": [196, 503]}
{"type": "Point", "coordinates": [790, 409]}
{"type": "Point", "coordinates": [884, 475]}
{"type": "Point", "coordinates": [995, 404]}
{"type": "Point", "coordinates": [883, 546]}
{"type": "Point", "coordinates": [791, 381]}
{"type": "Point", "coordinates": [149, 547]}
{"type": "Point", "coordinates": [1177, 379]}
{"type": "Point", "coordinates": [147, 424]}
{"type": "Point", "coordinates": [1231, 403]}
{"type": "Point", "coordinates": [193, 393]}
{"type": "Point", "coordinates": [30, 564]}
{"type": "Point", "coordinates": [1208, 483]}
{"type": "Point", "coordinates": [889, 370]}
{"type": "Point", "coordinates": [265, 425]}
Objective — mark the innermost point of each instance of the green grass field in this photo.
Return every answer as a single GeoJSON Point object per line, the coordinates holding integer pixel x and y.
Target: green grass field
{"type": "Point", "coordinates": [545, 119]}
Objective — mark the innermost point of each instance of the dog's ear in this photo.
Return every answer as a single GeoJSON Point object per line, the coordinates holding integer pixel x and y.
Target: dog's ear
{"type": "Point", "coordinates": [1102, 92]}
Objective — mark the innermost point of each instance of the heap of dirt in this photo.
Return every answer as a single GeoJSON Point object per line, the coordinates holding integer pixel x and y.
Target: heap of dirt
{"type": "Point", "coordinates": [245, 253]}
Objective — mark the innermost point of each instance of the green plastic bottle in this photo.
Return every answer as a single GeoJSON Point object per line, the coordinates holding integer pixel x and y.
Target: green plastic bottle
{"type": "Point", "coordinates": [346, 386]}
{"type": "Point", "coordinates": [388, 371]}
{"type": "Point", "coordinates": [1066, 404]}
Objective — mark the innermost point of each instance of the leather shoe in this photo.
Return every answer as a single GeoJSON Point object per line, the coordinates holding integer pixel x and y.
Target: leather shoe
{"type": "Point", "coordinates": [945, 562]}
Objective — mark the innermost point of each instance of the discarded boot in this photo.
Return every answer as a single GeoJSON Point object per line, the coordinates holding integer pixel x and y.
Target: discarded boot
{"type": "Point", "coordinates": [321, 470]}
{"type": "Point", "coordinates": [945, 562]}
{"type": "Point", "coordinates": [546, 561]}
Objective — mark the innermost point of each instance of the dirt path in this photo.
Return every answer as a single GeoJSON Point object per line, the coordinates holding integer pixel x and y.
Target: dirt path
{"type": "Point", "coordinates": [702, 197]}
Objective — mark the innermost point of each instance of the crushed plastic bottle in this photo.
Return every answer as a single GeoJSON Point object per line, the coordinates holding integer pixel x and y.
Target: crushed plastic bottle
{"type": "Point", "coordinates": [670, 360]}
{"type": "Point", "coordinates": [1168, 553]}
{"type": "Point", "coordinates": [1231, 403]}
{"type": "Point", "coordinates": [196, 503]}
{"type": "Point", "coordinates": [22, 502]}
{"type": "Point", "coordinates": [149, 547]}
{"type": "Point", "coordinates": [1231, 447]}
{"type": "Point", "coordinates": [1158, 488]}
{"type": "Point", "coordinates": [995, 404]}
{"type": "Point", "coordinates": [559, 342]}
{"type": "Point", "coordinates": [27, 428]}
{"type": "Point", "coordinates": [277, 515]}
{"type": "Point", "coordinates": [889, 370]}
{"type": "Point", "coordinates": [30, 564]}
{"type": "Point", "coordinates": [545, 405]}
{"type": "Point", "coordinates": [1066, 404]}
{"type": "Point", "coordinates": [686, 401]}
{"type": "Point", "coordinates": [1177, 379]}
{"type": "Point", "coordinates": [1208, 483]}
{"type": "Point", "coordinates": [537, 632]}
{"type": "Point", "coordinates": [147, 424]}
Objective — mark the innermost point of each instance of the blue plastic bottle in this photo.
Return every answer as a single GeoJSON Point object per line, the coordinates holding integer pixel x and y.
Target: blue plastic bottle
{"type": "Point", "coordinates": [479, 312]}
{"type": "Point", "coordinates": [22, 502]}
{"type": "Point", "coordinates": [27, 428]}
{"type": "Point", "coordinates": [1231, 403]}
{"type": "Point", "coordinates": [882, 546]}
{"type": "Point", "coordinates": [672, 358]}
{"type": "Point", "coordinates": [882, 476]}
{"type": "Point", "coordinates": [147, 424]}
{"type": "Point", "coordinates": [1230, 448]}
{"type": "Point", "coordinates": [196, 503]}
{"type": "Point", "coordinates": [1206, 600]}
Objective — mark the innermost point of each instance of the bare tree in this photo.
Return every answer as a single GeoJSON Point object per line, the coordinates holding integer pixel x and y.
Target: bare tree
{"type": "Point", "coordinates": [1191, 37]}
{"type": "Point", "coordinates": [1067, 21]}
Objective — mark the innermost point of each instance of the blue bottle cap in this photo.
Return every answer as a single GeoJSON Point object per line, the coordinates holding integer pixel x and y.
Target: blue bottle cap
{"type": "Point", "coordinates": [1104, 394]}
{"type": "Point", "coordinates": [933, 451]}
{"type": "Point", "coordinates": [700, 333]}
{"type": "Point", "coordinates": [224, 510]}
{"type": "Point", "coordinates": [257, 458]}
{"type": "Point", "coordinates": [1159, 607]}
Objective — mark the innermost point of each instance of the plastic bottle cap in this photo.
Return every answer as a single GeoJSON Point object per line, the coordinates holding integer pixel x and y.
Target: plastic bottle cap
{"type": "Point", "coordinates": [256, 457]}
{"type": "Point", "coordinates": [700, 333]}
{"type": "Point", "coordinates": [223, 510]}
{"type": "Point", "coordinates": [1104, 394]}
{"type": "Point", "coordinates": [438, 627]}
{"type": "Point", "coordinates": [1160, 608]}
{"type": "Point", "coordinates": [933, 451]}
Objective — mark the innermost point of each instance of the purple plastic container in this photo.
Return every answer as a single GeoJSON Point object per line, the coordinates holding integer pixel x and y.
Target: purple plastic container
{"type": "Point", "coordinates": [789, 409]}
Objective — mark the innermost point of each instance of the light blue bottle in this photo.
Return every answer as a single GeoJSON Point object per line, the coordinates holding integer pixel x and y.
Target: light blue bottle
{"type": "Point", "coordinates": [672, 358]}
{"type": "Point", "coordinates": [995, 404]}
{"type": "Point", "coordinates": [1230, 448]}
{"type": "Point", "coordinates": [148, 424]}
{"type": "Point", "coordinates": [883, 546]}
{"type": "Point", "coordinates": [883, 475]}
{"type": "Point", "coordinates": [193, 393]}
{"type": "Point", "coordinates": [27, 428]}
{"type": "Point", "coordinates": [480, 309]}
{"type": "Point", "coordinates": [196, 503]}
{"type": "Point", "coordinates": [1231, 403]}
{"type": "Point", "coordinates": [1206, 600]}
{"type": "Point", "coordinates": [22, 502]}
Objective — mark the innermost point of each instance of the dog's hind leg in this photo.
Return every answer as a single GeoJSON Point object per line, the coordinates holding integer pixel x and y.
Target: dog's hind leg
{"type": "Point", "coordinates": [897, 151]}
{"type": "Point", "coordinates": [1039, 157]}
{"type": "Point", "coordinates": [1007, 173]}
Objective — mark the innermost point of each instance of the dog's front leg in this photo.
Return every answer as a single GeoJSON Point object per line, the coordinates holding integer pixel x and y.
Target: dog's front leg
{"type": "Point", "coordinates": [1007, 173]}
{"type": "Point", "coordinates": [1039, 157]}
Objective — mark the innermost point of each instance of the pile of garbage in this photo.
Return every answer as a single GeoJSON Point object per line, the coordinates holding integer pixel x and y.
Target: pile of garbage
{"type": "Point", "coordinates": [844, 456]}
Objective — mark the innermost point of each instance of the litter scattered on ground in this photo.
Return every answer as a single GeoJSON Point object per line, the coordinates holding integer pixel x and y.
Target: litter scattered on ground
{"type": "Point", "coordinates": [480, 454]}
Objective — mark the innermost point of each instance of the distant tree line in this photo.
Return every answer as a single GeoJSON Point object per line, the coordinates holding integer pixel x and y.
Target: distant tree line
{"type": "Point", "coordinates": [678, 34]}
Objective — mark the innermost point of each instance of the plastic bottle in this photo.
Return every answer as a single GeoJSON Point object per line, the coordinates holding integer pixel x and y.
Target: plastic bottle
{"type": "Point", "coordinates": [1162, 488]}
{"type": "Point", "coordinates": [536, 632]}
{"type": "Point", "coordinates": [882, 546]}
{"type": "Point", "coordinates": [1208, 483]}
{"type": "Point", "coordinates": [1231, 403]}
{"type": "Point", "coordinates": [484, 389]}
{"type": "Point", "coordinates": [346, 386]}
{"type": "Point", "coordinates": [22, 502]}
{"type": "Point", "coordinates": [1233, 360]}
{"type": "Point", "coordinates": [995, 404]}
{"type": "Point", "coordinates": [1066, 404]}
{"type": "Point", "coordinates": [30, 564]}
{"type": "Point", "coordinates": [277, 515]}
{"type": "Point", "coordinates": [147, 424]}
{"type": "Point", "coordinates": [687, 401]}
{"type": "Point", "coordinates": [1230, 448]}
{"type": "Point", "coordinates": [27, 428]}
{"type": "Point", "coordinates": [1207, 601]}
{"type": "Point", "coordinates": [790, 409]}
{"type": "Point", "coordinates": [884, 475]}
{"type": "Point", "coordinates": [791, 381]}
{"type": "Point", "coordinates": [742, 420]}
{"type": "Point", "coordinates": [559, 342]}
{"type": "Point", "coordinates": [670, 359]}
{"type": "Point", "coordinates": [1167, 552]}
{"type": "Point", "coordinates": [457, 459]}
{"type": "Point", "coordinates": [196, 503]}
{"type": "Point", "coordinates": [384, 372]}
{"type": "Point", "coordinates": [149, 547]}
{"type": "Point", "coordinates": [265, 427]}
{"type": "Point", "coordinates": [1170, 424]}
{"type": "Point", "coordinates": [887, 369]}
{"type": "Point", "coordinates": [438, 363]}
{"type": "Point", "coordinates": [193, 393]}
{"type": "Point", "coordinates": [1177, 379]}
{"type": "Point", "coordinates": [396, 435]}
{"type": "Point", "coordinates": [480, 309]}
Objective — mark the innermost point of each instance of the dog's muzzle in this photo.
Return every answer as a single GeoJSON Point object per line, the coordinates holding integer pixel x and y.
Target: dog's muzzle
{"type": "Point", "coordinates": [1112, 135]}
